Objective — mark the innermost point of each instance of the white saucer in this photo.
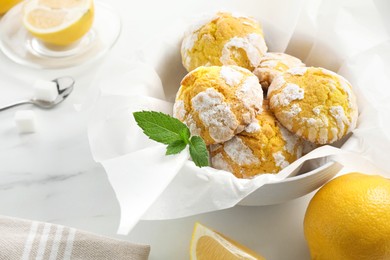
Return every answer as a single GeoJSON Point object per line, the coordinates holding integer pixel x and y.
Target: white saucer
{"type": "Point", "coordinates": [21, 47]}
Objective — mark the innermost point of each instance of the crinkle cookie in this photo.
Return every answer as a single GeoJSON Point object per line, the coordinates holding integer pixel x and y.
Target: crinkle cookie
{"type": "Point", "coordinates": [273, 64]}
{"type": "Point", "coordinates": [225, 39]}
{"type": "Point", "coordinates": [314, 103]}
{"type": "Point", "coordinates": [218, 102]}
{"type": "Point", "coordinates": [264, 146]}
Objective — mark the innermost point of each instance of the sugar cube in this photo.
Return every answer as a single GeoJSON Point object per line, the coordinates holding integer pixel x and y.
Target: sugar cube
{"type": "Point", "coordinates": [25, 121]}
{"type": "Point", "coordinates": [45, 90]}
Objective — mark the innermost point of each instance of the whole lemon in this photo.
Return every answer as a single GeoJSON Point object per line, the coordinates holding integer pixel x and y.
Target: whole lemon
{"type": "Point", "coordinates": [5, 5]}
{"type": "Point", "coordinates": [349, 219]}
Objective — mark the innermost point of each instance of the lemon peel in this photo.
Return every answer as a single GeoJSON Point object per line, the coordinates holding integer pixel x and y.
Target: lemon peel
{"type": "Point", "coordinates": [349, 218]}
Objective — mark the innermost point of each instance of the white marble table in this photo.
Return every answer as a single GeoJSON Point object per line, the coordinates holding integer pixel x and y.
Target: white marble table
{"type": "Point", "coordinates": [50, 175]}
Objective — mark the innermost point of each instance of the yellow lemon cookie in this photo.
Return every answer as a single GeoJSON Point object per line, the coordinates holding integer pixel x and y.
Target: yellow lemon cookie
{"type": "Point", "coordinates": [273, 64]}
{"type": "Point", "coordinates": [225, 39]}
{"type": "Point", "coordinates": [264, 146]}
{"type": "Point", "coordinates": [218, 102]}
{"type": "Point", "coordinates": [314, 103]}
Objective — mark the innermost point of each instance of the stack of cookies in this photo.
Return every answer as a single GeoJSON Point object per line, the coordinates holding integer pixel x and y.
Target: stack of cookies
{"type": "Point", "coordinates": [256, 110]}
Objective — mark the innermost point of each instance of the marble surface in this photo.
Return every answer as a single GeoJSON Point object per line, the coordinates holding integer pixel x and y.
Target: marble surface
{"type": "Point", "coordinates": [50, 175]}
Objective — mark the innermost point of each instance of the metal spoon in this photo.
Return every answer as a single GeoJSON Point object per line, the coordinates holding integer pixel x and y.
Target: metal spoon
{"type": "Point", "coordinates": [64, 87]}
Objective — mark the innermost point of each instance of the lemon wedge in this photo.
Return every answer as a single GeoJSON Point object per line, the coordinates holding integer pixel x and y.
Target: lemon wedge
{"type": "Point", "coordinates": [207, 244]}
{"type": "Point", "coordinates": [58, 22]}
{"type": "Point", "coordinates": [5, 5]}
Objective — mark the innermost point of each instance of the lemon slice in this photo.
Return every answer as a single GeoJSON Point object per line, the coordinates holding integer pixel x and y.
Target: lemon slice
{"type": "Point", "coordinates": [58, 22]}
{"type": "Point", "coordinates": [207, 244]}
{"type": "Point", "coordinates": [5, 5]}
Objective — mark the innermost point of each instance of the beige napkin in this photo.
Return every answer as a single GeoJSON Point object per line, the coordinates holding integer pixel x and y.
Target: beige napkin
{"type": "Point", "coordinates": [25, 240]}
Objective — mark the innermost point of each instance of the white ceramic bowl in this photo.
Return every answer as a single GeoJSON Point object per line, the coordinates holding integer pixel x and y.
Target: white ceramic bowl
{"type": "Point", "coordinates": [292, 187]}
{"type": "Point", "coordinates": [166, 60]}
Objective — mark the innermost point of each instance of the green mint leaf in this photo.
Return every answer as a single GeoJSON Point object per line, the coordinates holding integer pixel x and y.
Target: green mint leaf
{"type": "Point", "coordinates": [176, 147]}
{"type": "Point", "coordinates": [198, 151]}
{"type": "Point", "coordinates": [169, 130]}
{"type": "Point", "coordinates": [185, 135]}
{"type": "Point", "coordinates": [161, 127]}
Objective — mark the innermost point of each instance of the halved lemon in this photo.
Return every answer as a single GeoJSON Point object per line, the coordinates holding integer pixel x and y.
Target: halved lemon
{"type": "Point", "coordinates": [5, 5]}
{"type": "Point", "coordinates": [58, 22]}
{"type": "Point", "coordinates": [207, 244]}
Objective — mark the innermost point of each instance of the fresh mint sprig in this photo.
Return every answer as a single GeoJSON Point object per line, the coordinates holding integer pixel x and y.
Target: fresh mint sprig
{"type": "Point", "coordinates": [168, 130]}
{"type": "Point", "coordinates": [198, 151]}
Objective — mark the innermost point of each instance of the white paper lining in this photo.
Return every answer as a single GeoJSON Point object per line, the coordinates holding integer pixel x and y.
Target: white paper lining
{"type": "Point", "coordinates": [148, 184]}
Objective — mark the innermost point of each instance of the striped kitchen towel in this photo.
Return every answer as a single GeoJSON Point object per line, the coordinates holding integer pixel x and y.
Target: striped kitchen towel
{"type": "Point", "coordinates": [27, 240]}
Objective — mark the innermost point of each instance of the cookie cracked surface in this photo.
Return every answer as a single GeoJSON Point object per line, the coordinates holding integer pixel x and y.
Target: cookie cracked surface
{"type": "Point", "coordinates": [314, 103]}
{"type": "Point", "coordinates": [218, 102]}
{"type": "Point", "coordinates": [224, 39]}
{"type": "Point", "coordinates": [273, 64]}
{"type": "Point", "coordinates": [263, 147]}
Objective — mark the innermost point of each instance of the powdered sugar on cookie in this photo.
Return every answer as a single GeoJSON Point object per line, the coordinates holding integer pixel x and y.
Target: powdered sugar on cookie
{"type": "Point", "coordinates": [289, 93]}
{"type": "Point", "coordinates": [215, 114]}
{"type": "Point", "coordinates": [231, 75]}
{"type": "Point", "coordinates": [297, 71]}
{"type": "Point", "coordinates": [239, 152]}
{"type": "Point", "coordinates": [253, 45]}
{"type": "Point", "coordinates": [178, 110]}
{"type": "Point", "coordinates": [219, 162]}
{"type": "Point", "coordinates": [251, 93]}
{"type": "Point", "coordinates": [280, 160]}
